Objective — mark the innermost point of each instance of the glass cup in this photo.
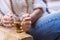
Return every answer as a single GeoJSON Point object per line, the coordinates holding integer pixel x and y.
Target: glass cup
{"type": "Point", "coordinates": [17, 25]}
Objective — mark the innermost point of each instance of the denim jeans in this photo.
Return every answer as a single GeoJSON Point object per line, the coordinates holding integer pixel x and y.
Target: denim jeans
{"type": "Point", "coordinates": [46, 27]}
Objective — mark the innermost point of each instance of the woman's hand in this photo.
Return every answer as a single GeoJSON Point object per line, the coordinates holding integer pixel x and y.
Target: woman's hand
{"type": "Point", "coordinates": [7, 21]}
{"type": "Point", "coordinates": [26, 22]}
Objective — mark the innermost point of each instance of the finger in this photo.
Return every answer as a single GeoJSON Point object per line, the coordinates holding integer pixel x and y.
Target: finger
{"type": "Point", "coordinates": [8, 25]}
{"type": "Point", "coordinates": [25, 15]}
{"type": "Point", "coordinates": [10, 19]}
{"type": "Point", "coordinates": [4, 18]}
{"type": "Point", "coordinates": [27, 19]}
{"type": "Point", "coordinates": [7, 18]}
{"type": "Point", "coordinates": [7, 22]}
{"type": "Point", "coordinates": [25, 27]}
{"type": "Point", "coordinates": [26, 23]}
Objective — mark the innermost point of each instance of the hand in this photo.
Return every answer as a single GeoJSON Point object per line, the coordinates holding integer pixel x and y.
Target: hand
{"type": "Point", "coordinates": [26, 22]}
{"type": "Point", "coordinates": [7, 21]}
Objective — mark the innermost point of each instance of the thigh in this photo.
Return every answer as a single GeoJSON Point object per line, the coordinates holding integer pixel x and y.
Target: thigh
{"type": "Point", "coordinates": [46, 27]}
{"type": "Point", "coordinates": [47, 21]}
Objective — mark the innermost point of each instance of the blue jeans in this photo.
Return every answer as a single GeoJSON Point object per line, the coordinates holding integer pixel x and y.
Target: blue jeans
{"type": "Point", "coordinates": [46, 27]}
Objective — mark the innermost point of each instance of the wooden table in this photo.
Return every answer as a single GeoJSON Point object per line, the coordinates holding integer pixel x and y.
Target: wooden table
{"type": "Point", "coordinates": [10, 34]}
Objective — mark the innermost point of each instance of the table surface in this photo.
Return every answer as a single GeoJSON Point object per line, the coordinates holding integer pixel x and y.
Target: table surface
{"type": "Point", "coordinates": [12, 32]}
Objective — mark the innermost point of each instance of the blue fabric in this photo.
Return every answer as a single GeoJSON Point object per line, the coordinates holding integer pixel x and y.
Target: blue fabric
{"type": "Point", "coordinates": [46, 27]}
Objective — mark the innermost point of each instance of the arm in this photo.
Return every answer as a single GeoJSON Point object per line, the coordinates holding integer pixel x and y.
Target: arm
{"type": "Point", "coordinates": [39, 6]}
{"type": "Point", "coordinates": [26, 21]}
{"type": "Point", "coordinates": [36, 14]}
{"type": "Point", "coordinates": [5, 10]}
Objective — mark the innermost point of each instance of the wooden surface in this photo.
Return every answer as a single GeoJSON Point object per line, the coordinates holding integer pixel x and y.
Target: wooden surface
{"type": "Point", "coordinates": [10, 34]}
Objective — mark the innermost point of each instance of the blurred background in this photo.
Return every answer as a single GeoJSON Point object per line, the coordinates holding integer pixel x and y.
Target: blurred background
{"type": "Point", "coordinates": [54, 5]}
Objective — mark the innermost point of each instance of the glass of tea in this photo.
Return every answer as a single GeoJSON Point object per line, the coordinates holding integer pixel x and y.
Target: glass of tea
{"type": "Point", "coordinates": [17, 25]}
